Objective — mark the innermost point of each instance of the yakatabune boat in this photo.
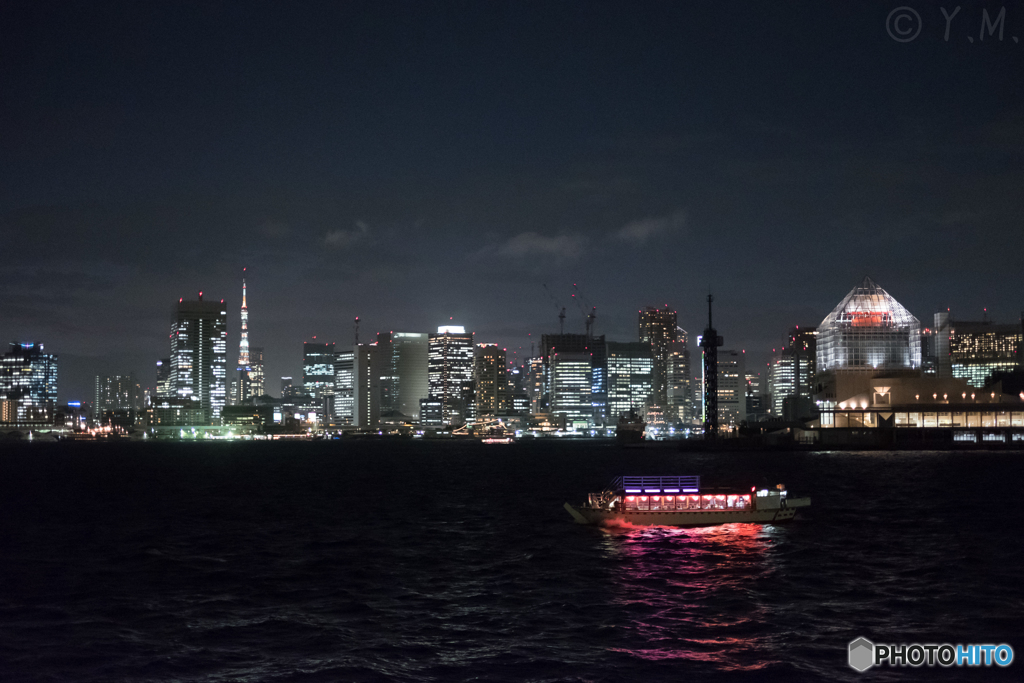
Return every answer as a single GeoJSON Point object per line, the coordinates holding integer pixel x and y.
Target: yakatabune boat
{"type": "Point", "coordinates": [680, 501]}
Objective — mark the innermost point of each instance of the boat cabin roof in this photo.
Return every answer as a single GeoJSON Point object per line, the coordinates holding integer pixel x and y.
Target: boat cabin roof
{"type": "Point", "coordinates": [656, 484]}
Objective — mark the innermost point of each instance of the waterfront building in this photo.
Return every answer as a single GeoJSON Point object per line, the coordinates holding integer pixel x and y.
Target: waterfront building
{"type": "Point", "coordinates": [630, 367]}
{"type": "Point", "coordinates": [317, 368]}
{"type": "Point", "coordinates": [869, 331]}
{"type": "Point", "coordinates": [658, 329]}
{"type": "Point", "coordinates": [571, 387]}
{"type": "Point", "coordinates": [450, 373]}
{"type": "Point", "coordinates": [199, 357]}
{"type": "Point", "coordinates": [977, 350]}
{"type": "Point", "coordinates": [28, 384]}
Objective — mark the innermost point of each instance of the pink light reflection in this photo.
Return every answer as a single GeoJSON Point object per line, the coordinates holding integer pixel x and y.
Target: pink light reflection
{"type": "Point", "coordinates": [693, 594]}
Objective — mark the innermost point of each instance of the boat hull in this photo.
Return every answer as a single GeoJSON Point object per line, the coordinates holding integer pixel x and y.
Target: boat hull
{"type": "Point", "coordinates": [681, 518]}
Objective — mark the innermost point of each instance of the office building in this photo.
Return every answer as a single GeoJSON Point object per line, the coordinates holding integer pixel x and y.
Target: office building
{"type": "Point", "coordinates": [404, 381]}
{"type": "Point", "coordinates": [28, 385]}
{"type": "Point", "coordinates": [658, 329]}
{"type": "Point", "coordinates": [680, 390]}
{"type": "Point", "coordinates": [199, 357]}
{"type": "Point", "coordinates": [732, 389]}
{"type": "Point", "coordinates": [345, 388]}
{"type": "Point", "coordinates": [792, 371]}
{"type": "Point", "coordinates": [117, 392]}
{"type": "Point", "coordinates": [257, 386]}
{"type": "Point", "coordinates": [317, 368]}
{"type": "Point", "coordinates": [977, 350]}
{"type": "Point", "coordinates": [630, 368]}
{"type": "Point", "coordinates": [450, 373]}
{"type": "Point", "coordinates": [163, 379]}
{"type": "Point", "coordinates": [571, 387]}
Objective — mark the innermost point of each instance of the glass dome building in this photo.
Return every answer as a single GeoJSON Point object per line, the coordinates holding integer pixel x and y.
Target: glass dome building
{"type": "Point", "coordinates": [869, 331]}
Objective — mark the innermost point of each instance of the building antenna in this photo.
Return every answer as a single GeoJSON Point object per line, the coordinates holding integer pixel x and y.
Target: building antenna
{"type": "Point", "coordinates": [357, 330]}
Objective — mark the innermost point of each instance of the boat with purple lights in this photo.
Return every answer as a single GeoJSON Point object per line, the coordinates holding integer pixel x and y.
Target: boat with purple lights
{"type": "Point", "coordinates": [681, 501]}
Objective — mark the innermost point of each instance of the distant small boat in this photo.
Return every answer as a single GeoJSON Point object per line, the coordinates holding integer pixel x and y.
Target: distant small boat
{"type": "Point", "coordinates": [498, 439]}
{"type": "Point", "coordinates": [680, 501]}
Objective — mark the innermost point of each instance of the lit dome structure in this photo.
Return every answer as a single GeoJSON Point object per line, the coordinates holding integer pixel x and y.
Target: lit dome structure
{"type": "Point", "coordinates": [869, 331]}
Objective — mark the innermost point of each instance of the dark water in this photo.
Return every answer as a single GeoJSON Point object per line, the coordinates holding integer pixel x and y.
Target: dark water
{"type": "Point", "coordinates": [455, 561]}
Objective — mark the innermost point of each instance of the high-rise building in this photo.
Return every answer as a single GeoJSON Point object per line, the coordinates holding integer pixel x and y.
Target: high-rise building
{"type": "Point", "coordinates": [792, 371]}
{"type": "Point", "coordinates": [117, 392]}
{"type": "Point", "coordinates": [199, 356]}
{"type": "Point", "coordinates": [658, 329]}
{"type": "Point", "coordinates": [28, 384]}
{"type": "Point", "coordinates": [345, 388]}
{"type": "Point", "coordinates": [577, 343]}
{"type": "Point", "coordinates": [756, 408]}
{"type": "Point", "coordinates": [630, 367]}
{"type": "Point", "coordinates": [977, 350]}
{"type": "Point", "coordinates": [256, 377]}
{"type": "Point", "coordinates": [410, 354]}
{"type": "Point", "coordinates": [492, 391]}
{"type": "Point", "coordinates": [366, 386]}
{"type": "Point", "coordinates": [450, 373]}
{"type": "Point", "coordinates": [570, 388]}
{"type": "Point", "coordinates": [732, 389]}
{"type": "Point", "coordinates": [317, 368]}
{"type": "Point", "coordinates": [680, 391]}
{"type": "Point", "coordinates": [163, 379]}
{"type": "Point", "coordinates": [534, 383]}
{"type": "Point", "coordinates": [868, 331]}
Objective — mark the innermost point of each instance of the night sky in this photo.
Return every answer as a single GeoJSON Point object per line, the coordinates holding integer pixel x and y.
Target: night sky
{"type": "Point", "coordinates": [411, 162]}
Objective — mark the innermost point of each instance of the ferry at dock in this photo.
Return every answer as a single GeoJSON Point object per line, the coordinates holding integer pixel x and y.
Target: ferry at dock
{"type": "Point", "coordinates": [681, 501]}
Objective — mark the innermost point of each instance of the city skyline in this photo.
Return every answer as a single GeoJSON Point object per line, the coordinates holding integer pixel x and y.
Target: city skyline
{"type": "Point", "coordinates": [408, 164]}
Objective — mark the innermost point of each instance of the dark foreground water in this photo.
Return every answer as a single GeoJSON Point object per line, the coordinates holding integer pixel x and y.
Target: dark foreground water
{"type": "Point", "coordinates": [455, 561]}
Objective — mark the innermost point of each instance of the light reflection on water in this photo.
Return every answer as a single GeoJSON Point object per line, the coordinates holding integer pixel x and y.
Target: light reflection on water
{"type": "Point", "coordinates": [695, 594]}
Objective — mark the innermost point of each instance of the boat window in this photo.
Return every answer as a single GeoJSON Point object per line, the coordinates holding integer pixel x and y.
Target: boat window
{"type": "Point", "coordinates": [631, 502]}
{"type": "Point", "coordinates": [656, 502]}
{"type": "Point", "coordinates": [669, 503]}
{"type": "Point", "coordinates": [644, 502]}
{"type": "Point", "coordinates": [714, 502]}
{"type": "Point", "coordinates": [693, 502]}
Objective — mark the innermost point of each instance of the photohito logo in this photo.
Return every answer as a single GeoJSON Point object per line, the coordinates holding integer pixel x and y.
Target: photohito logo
{"type": "Point", "coordinates": [863, 654]}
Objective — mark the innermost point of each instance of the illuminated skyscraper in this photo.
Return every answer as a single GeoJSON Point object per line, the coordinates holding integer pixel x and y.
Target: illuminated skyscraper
{"type": "Point", "coordinates": [256, 378]}
{"type": "Point", "coordinates": [680, 390]}
{"type": "Point", "coordinates": [450, 372]}
{"type": "Point", "coordinates": [409, 352]}
{"type": "Point", "coordinates": [199, 356]}
{"type": "Point", "coordinates": [630, 378]}
{"type": "Point", "coordinates": [28, 384]}
{"type": "Point", "coordinates": [732, 389]}
{"type": "Point", "coordinates": [492, 391]}
{"type": "Point", "coordinates": [658, 329]}
{"type": "Point", "coordinates": [317, 368]}
{"type": "Point", "coordinates": [117, 392]}
{"type": "Point", "coordinates": [163, 378]}
{"type": "Point", "coordinates": [571, 388]}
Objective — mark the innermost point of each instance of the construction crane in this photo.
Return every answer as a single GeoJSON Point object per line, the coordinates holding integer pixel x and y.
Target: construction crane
{"type": "Point", "coordinates": [560, 309]}
{"type": "Point", "coordinates": [582, 302]}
